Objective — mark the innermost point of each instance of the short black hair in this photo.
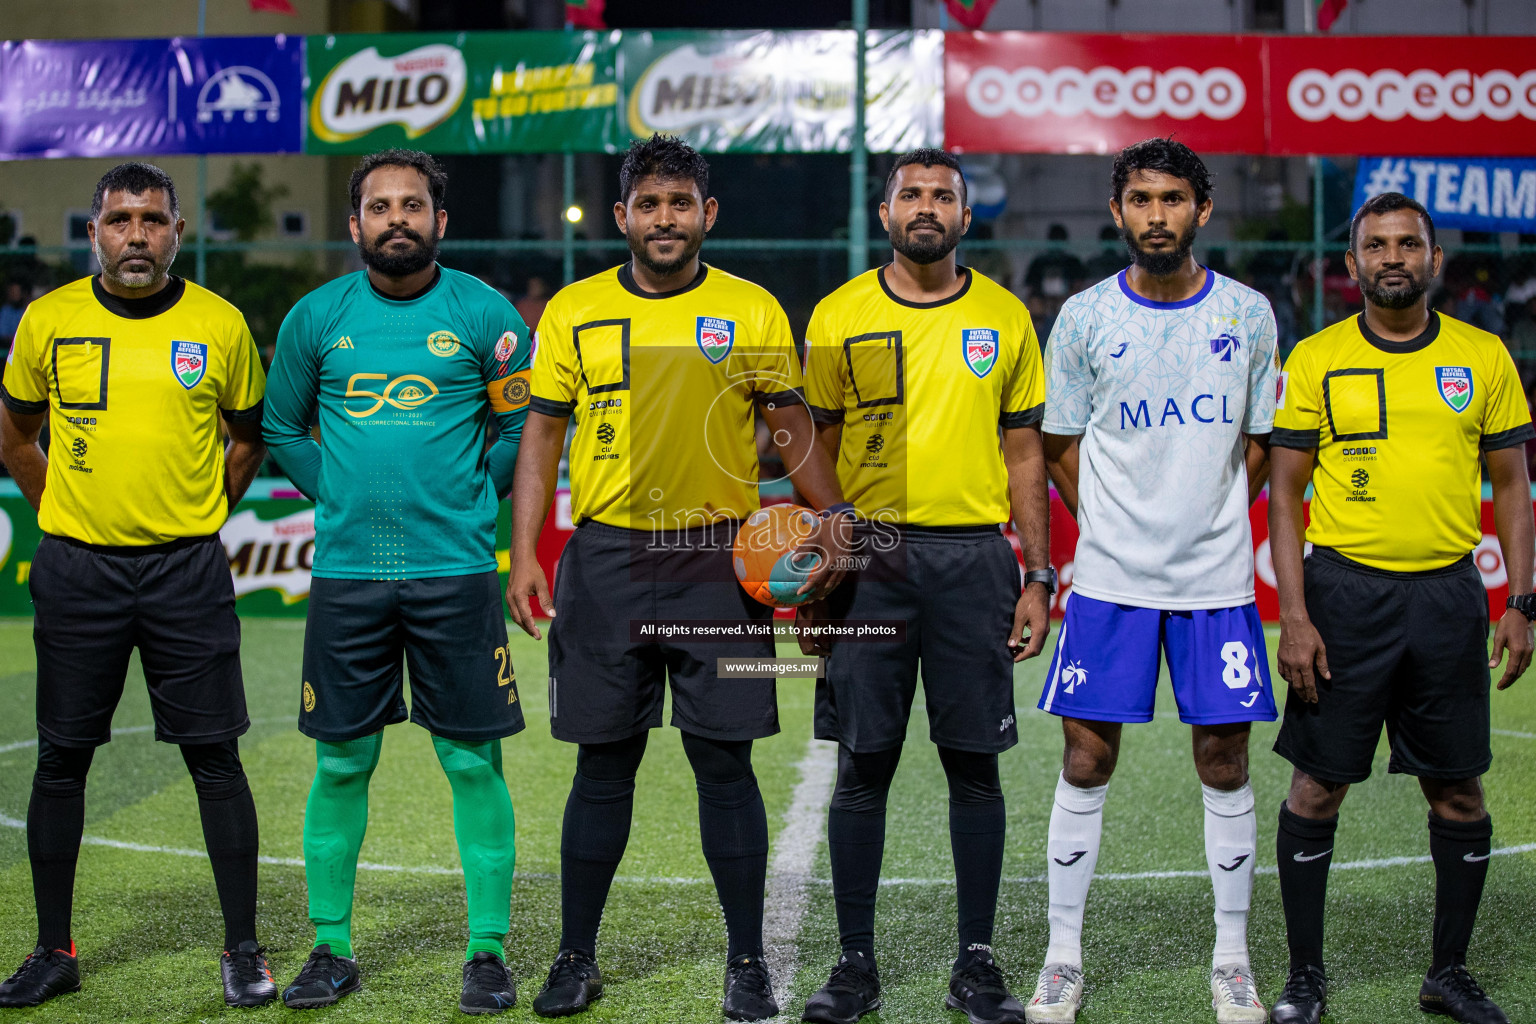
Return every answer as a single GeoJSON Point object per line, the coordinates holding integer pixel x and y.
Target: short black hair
{"type": "Point", "coordinates": [437, 178]}
{"type": "Point", "coordinates": [928, 157]}
{"type": "Point", "coordinates": [662, 156]}
{"type": "Point", "coordinates": [135, 178]}
{"type": "Point", "coordinates": [1163, 155]}
{"type": "Point", "coordinates": [1388, 202]}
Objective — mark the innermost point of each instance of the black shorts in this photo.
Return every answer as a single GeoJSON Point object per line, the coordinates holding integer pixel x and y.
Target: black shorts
{"type": "Point", "coordinates": [174, 602]}
{"type": "Point", "coordinates": [956, 590]}
{"type": "Point", "coordinates": [606, 685]}
{"type": "Point", "coordinates": [1406, 649]}
{"type": "Point", "coordinates": [453, 639]}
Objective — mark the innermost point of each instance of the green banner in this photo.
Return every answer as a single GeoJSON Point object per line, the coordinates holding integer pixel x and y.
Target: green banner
{"type": "Point", "coordinates": [784, 92]}
{"type": "Point", "coordinates": [470, 92]}
{"type": "Point", "coordinates": [270, 543]}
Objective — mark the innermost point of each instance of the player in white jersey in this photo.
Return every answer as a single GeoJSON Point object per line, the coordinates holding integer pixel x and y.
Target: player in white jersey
{"type": "Point", "coordinates": [1160, 396]}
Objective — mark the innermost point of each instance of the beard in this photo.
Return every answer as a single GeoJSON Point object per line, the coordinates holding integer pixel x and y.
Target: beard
{"type": "Point", "coordinates": [1165, 262]}
{"type": "Point", "coordinates": [417, 258]}
{"type": "Point", "coordinates": [692, 243]}
{"type": "Point", "coordinates": [113, 270]}
{"type": "Point", "coordinates": [1397, 296]}
{"type": "Point", "coordinates": [925, 249]}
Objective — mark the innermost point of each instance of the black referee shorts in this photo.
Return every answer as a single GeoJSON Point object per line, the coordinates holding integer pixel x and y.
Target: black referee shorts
{"type": "Point", "coordinates": [1406, 650]}
{"type": "Point", "coordinates": [447, 630]}
{"type": "Point", "coordinates": [175, 602]}
{"type": "Point", "coordinates": [955, 589]}
{"type": "Point", "coordinates": [607, 685]}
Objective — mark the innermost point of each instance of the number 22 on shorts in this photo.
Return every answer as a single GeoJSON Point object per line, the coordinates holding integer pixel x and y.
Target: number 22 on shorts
{"type": "Point", "coordinates": [504, 674]}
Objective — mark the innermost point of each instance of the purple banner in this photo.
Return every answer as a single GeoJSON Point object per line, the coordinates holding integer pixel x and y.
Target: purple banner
{"type": "Point", "coordinates": [132, 97]}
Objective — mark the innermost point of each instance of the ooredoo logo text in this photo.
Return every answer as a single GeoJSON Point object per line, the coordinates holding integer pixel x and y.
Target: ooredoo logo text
{"type": "Point", "coordinates": [1141, 92]}
{"type": "Point", "coordinates": [1390, 95]}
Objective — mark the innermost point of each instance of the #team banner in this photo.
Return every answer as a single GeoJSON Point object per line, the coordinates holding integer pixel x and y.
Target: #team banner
{"type": "Point", "coordinates": [1483, 195]}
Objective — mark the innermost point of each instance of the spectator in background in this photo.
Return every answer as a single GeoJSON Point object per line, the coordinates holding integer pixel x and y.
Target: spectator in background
{"type": "Point", "coordinates": [1270, 272]}
{"type": "Point", "coordinates": [531, 306]}
{"type": "Point", "coordinates": [1473, 281]}
{"type": "Point", "coordinates": [16, 299]}
{"type": "Point", "coordinates": [1051, 277]}
{"type": "Point", "coordinates": [1520, 318]}
{"type": "Point", "coordinates": [1111, 257]}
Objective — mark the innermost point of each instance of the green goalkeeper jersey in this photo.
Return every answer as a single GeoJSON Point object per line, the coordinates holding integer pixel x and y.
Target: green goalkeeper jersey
{"type": "Point", "coordinates": [402, 389]}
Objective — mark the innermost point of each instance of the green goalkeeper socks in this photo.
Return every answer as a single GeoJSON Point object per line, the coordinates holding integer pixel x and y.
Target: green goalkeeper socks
{"type": "Point", "coordinates": [334, 822]}
{"type": "Point", "coordinates": [484, 828]}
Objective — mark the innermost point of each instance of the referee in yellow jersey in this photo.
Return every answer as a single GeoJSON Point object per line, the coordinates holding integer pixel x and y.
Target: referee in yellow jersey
{"type": "Point", "coordinates": [133, 369]}
{"type": "Point", "coordinates": [926, 382]}
{"type": "Point", "coordinates": [1386, 621]}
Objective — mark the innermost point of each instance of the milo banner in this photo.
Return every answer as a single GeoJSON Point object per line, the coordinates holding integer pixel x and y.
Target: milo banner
{"type": "Point", "coordinates": [783, 92]}
{"type": "Point", "coordinates": [480, 92]}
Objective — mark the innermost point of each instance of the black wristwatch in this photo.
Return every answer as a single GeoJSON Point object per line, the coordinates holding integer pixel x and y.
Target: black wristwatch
{"type": "Point", "coordinates": [1048, 577]}
{"type": "Point", "coordinates": [1525, 604]}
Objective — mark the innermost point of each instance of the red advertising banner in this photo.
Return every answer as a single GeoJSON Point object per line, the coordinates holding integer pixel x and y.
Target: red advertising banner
{"type": "Point", "coordinates": [1062, 92]}
{"type": "Point", "coordinates": [1451, 96]}
{"type": "Point", "coordinates": [1039, 92]}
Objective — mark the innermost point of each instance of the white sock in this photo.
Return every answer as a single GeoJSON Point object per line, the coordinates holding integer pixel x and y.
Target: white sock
{"type": "Point", "coordinates": [1077, 823]}
{"type": "Point", "coordinates": [1231, 845]}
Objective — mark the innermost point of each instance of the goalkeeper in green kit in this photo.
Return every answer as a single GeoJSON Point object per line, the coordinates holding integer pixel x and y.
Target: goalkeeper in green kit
{"type": "Point", "coordinates": [402, 366]}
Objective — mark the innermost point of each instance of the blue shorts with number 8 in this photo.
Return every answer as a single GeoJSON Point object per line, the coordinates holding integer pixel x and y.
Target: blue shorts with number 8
{"type": "Point", "coordinates": [1106, 661]}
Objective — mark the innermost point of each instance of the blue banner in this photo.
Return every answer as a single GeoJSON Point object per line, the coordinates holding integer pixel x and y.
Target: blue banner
{"type": "Point", "coordinates": [1483, 195]}
{"type": "Point", "coordinates": [140, 97]}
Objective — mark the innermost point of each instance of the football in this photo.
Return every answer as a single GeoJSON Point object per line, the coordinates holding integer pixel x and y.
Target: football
{"type": "Point", "coordinates": [765, 558]}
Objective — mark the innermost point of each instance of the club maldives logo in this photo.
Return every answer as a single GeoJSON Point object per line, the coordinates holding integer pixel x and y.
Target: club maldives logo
{"type": "Point", "coordinates": [980, 349]}
{"type": "Point", "coordinates": [716, 336]}
{"type": "Point", "coordinates": [418, 90]}
{"type": "Point", "coordinates": [239, 90]}
{"type": "Point", "coordinates": [189, 361]}
{"type": "Point", "coordinates": [1455, 386]}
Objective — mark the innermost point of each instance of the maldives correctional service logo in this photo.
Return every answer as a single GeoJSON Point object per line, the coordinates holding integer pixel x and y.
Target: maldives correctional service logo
{"type": "Point", "coordinates": [443, 343]}
{"type": "Point", "coordinates": [189, 361]}
{"type": "Point", "coordinates": [418, 90]}
{"type": "Point", "coordinates": [1455, 386]}
{"type": "Point", "coordinates": [980, 349]}
{"type": "Point", "coordinates": [716, 336]}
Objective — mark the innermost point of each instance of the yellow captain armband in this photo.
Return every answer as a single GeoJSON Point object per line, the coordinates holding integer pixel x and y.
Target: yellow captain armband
{"type": "Point", "coordinates": [510, 393]}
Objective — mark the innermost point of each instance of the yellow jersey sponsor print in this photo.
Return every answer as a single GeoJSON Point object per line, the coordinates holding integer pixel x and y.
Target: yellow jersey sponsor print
{"type": "Point", "coordinates": [921, 390]}
{"type": "Point", "coordinates": [1398, 427]}
{"type": "Point", "coordinates": [134, 389]}
{"type": "Point", "coordinates": [662, 387]}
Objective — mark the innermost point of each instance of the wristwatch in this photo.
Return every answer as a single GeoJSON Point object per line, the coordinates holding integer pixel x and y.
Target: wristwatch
{"type": "Point", "coordinates": [1525, 604]}
{"type": "Point", "coordinates": [842, 508]}
{"type": "Point", "coordinates": [1048, 577]}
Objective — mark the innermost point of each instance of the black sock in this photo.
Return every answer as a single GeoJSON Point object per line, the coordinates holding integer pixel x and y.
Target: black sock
{"type": "Point", "coordinates": [1460, 850]}
{"type": "Point", "coordinates": [592, 839]}
{"type": "Point", "coordinates": [978, 822]}
{"type": "Point", "coordinates": [229, 831]}
{"type": "Point", "coordinates": [1304, 850]}
{"type": "Point", "coordinates": [734, 826]}
{"type": "Point", "coordinates": [856, 842]}
{"type": "Point", "coordinates": [55, 822]}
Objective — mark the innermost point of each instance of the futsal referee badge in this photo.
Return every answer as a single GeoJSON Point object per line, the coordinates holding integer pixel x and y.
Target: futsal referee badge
{"type": "Point", "coordinates": [980, 349]}
{"type": "Point", "coordinates": [189, 361]}
{"type": "Point", "coordinates": [1455, 386]}
{"type": "Point", "coordinates": [716, 336]}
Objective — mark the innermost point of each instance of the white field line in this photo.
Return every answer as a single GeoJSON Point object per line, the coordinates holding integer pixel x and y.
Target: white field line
{"type": "Point", "coordinates": [1517, 735]}
{"type": "Point", "coordinates": [794, 857]}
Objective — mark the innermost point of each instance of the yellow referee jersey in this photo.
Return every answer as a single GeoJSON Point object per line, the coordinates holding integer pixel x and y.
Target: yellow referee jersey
{"type": "Point", "coordinates": [921, 390]}
{"type": "Point", "coordinates": [662, 385]}
{"type": "Point", "coordinates": [1398, 427]}
{"type": "Point", "coordinates": [135, 388]}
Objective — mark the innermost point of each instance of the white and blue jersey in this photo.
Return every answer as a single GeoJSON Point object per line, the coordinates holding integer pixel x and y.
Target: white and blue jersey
{"type": "Point", "coordinates": [1162, 394]}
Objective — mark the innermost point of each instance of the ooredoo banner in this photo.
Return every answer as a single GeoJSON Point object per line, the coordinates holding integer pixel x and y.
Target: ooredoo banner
{"type": "Point", "coordinates": [1055, 92]}
{"type": "Point", "coordinates": [1451, 96]}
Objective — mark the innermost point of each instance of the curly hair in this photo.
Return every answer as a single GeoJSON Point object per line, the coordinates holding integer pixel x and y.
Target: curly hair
{"type": "Point", "coordinates": [662, 156]}
{"type": "Point", "coordinates": [1165, 155]}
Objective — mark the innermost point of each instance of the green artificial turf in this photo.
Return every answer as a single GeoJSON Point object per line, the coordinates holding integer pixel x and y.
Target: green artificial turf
{"type": "Point", "coordinates": [147, 923]}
